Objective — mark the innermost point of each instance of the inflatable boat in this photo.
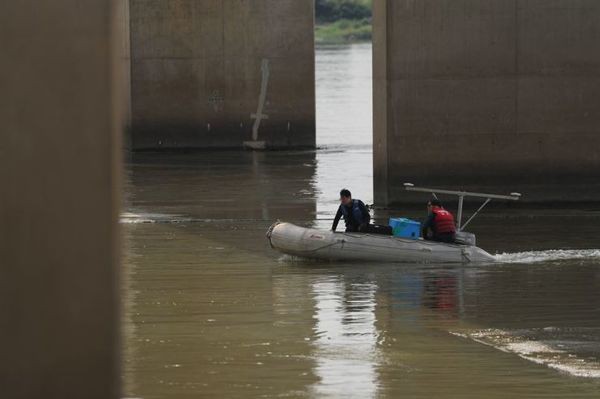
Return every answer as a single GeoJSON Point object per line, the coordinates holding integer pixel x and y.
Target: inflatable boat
{"type": "Point", "coordinates": [327, 245]}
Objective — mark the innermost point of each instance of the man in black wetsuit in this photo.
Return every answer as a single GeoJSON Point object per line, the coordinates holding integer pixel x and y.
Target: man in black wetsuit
{"type": "Point", "coordinates": [355, 213]}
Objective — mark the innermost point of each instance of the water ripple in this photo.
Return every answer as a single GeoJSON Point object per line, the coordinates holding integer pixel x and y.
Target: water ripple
{"type": "Point", "coordinates": [548, 256]}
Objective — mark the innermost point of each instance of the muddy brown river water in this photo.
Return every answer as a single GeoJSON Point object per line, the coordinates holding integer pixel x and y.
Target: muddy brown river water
{"type": "Point", "coordinates": [210, 310]}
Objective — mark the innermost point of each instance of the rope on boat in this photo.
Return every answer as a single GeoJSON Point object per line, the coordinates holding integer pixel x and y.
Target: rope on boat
{"type": "Point", "coordinates": [270, 232]}
{"type": "Point", "coordinates": [328, 245]}
{"type": "Point", "coordinates": [465, 255]}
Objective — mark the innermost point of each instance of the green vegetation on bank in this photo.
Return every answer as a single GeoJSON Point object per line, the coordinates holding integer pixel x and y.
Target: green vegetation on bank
{"type": "Point", "coordinates": [343, 31]}
{"type": "Point", "coordinates": [343, 21]}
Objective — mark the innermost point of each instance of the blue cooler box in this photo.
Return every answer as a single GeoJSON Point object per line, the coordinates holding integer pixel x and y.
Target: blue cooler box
{"type": "Point", "coordinates": [405, 228]}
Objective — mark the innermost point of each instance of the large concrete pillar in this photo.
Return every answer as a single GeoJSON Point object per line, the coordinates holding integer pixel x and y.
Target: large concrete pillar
{"type": "Point", "coordinates": [498, 95]}
{"type": "Point", "coordinates": [203, 70]}
{"type": "Point", "coordinates": [60, 131]}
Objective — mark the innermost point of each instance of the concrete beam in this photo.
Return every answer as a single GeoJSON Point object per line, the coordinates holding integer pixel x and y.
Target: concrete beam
{"type": "Point", "coordinates": [59, 166]}
{"type": "Point", "coordinates": [198, 70]}
{"type": "Point", "coordinates": [497, 95]}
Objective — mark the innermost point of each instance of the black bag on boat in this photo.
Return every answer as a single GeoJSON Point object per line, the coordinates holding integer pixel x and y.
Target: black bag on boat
{"type": "Point", "coordinates": [379, 229]}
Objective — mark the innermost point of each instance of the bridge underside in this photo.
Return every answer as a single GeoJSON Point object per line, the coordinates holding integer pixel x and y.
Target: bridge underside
{"type": "Point", "coordinates": [487, 95]}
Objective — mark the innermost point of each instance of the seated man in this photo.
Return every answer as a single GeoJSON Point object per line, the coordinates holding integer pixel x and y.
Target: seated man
{"type": "Point", "coordinates": [439, 225]}
{"type": "Point", "coordinates": [355, 213]}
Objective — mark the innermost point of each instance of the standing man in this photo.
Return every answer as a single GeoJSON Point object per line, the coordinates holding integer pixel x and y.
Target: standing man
{"type": "Point", "coordinates": [439, 225]}
{"type": "Point", "coordinates": [355, 213]}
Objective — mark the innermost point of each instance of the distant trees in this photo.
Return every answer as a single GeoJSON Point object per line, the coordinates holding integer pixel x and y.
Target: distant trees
{"type": "Point", "coordinates": [343, 21]}
{"type": "Point", "coordinates": [334, 10]}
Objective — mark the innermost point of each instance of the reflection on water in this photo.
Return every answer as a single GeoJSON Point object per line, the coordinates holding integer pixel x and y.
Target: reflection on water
{"type": "Point", "coordinates": [346, 339]}
{"type": "Point", "coordinates": [211, 311]}
{"type": "Point", "coordinates": [228, 185]}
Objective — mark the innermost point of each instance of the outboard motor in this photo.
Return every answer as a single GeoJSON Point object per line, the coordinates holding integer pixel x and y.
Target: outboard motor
{"type": "Point", "coordinates": [465, 238]}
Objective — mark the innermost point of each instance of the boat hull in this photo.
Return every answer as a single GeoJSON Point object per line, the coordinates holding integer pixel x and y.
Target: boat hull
{"type": "Point", "coordinates": [318, 244]}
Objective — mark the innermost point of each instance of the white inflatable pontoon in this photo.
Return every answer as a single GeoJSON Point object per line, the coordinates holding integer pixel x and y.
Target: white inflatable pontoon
{"type": "Point", "coordinates": [310, 243]}
{"type": "Point", "coordinates": [317, 244]}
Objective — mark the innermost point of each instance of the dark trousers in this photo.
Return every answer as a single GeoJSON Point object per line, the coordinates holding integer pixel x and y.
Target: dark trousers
{"type": "Point", "coordinates": [371, 229]}
{"type": "Point", "coordinates": [448, 238]}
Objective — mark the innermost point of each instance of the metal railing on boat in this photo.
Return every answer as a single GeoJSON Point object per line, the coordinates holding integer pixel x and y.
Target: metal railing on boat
{"type": "Point", "coordinates": [461, 196]}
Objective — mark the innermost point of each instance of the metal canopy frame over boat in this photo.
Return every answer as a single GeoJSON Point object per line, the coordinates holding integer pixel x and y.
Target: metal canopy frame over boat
{"type": "Point", "coordinates": [461, 196]}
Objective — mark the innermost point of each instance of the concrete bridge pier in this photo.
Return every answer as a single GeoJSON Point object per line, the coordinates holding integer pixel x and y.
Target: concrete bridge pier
{"type": "Point", "coordinates": [61, 108]}
{"type": "Point", "coordinates": [487, 95]}
{"type": "Point", "coordinates": [218, 73]}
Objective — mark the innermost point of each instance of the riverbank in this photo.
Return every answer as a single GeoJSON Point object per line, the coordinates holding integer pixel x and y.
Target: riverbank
{"type": "Point", "coordinates": [344, 31]}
